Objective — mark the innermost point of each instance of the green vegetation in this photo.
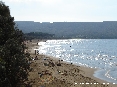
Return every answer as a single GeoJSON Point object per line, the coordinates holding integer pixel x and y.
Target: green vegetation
{"type": "Point", "coordinates": [38, 35]}
{"type": "Point", "coordinates": [14, 64]}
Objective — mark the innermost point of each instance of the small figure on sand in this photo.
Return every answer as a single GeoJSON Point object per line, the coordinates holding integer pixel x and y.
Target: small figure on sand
{"type": "Point", "coordinates": [36, 58]}
{"type": "Point", "coordinates": [37, 51]}
{"type": "Point", "coordinates": [59, 64]}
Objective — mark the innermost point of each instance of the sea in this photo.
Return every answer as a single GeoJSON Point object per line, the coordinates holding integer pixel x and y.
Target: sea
{"type": "Point", "coordinates": [94, 53]}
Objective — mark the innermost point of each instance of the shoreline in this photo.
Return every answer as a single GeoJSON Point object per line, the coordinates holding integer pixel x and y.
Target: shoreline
{"type": "Point", "coordinates": [84, 72]}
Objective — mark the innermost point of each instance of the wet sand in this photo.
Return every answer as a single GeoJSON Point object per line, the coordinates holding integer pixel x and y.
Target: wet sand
{"type": "Point", "coordinates": [47, 71]}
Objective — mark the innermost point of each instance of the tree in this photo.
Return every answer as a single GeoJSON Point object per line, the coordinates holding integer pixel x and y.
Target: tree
{"type": "Point", "coordinates": [38, 35]}
{"type": "Point", "coordinates": [14, 64]}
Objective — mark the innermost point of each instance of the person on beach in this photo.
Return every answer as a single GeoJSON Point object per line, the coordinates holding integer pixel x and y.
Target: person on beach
{"type": "Point", "coordinates": [37, 51]}
{"type": "Point", "coordinates": [36, 58]}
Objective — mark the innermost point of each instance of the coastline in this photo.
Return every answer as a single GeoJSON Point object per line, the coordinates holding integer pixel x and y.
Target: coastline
{"type": "Point", "coordinates": [79, 75]}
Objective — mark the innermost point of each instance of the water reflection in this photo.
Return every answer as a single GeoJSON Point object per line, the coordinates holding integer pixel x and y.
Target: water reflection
{"type": "Point", "coordinates": [92, 53]}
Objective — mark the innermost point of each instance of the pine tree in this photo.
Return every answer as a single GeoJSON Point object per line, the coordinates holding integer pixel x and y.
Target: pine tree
{"type": "Point", "coordinates": [13, 60]}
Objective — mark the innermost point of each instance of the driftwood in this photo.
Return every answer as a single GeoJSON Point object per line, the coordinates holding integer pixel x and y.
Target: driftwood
{"type": "Point", "coordinates": [44, 73]}
{"type": "Point", "coordinates": [58, 64]}
{"type": "Point", "coordinates": [46, 64]}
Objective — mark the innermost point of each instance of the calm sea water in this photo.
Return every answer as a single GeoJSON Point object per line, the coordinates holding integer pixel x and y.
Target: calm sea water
{"type": "Point", "coordinates": [94, 53]}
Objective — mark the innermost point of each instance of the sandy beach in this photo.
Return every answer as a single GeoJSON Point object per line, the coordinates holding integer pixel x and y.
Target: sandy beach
{"type": "Point", "coordinates": [47, 71]}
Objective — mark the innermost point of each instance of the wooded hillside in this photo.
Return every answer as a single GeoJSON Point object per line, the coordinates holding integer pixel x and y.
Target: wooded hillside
{"type": "Point", "coordinates": [102, 30]}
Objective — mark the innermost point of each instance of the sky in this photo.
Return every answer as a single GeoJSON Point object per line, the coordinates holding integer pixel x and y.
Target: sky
{"type": "Point", "coordinates": [63, 10]}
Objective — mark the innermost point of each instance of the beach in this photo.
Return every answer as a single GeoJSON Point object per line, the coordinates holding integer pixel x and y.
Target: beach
{"type": "Point", "coordinates": [47, 71]}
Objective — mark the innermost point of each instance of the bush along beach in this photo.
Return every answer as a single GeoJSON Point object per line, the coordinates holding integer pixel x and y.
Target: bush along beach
{"type": "Point", "coordinates": [14, 64]}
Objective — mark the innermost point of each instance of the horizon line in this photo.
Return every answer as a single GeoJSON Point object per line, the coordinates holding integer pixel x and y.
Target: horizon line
{"type": "Point", "coordinates": [66, 21]}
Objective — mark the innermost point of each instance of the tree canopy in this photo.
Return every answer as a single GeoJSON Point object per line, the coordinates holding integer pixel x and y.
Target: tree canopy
{"type": "Point", "coordinates": [38, 35]}
{"type": "Point", "coordinates": [14, 64]}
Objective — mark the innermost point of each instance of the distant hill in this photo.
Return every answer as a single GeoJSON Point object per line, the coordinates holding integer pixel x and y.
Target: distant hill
{"type": "Point", "coordinates": [102, 30]}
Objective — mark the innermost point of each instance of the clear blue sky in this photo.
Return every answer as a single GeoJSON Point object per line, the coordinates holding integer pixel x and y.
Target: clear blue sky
{"type": "Point", "coordinates": [63, 10]}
